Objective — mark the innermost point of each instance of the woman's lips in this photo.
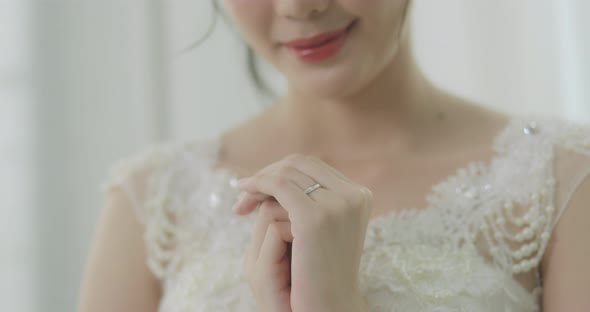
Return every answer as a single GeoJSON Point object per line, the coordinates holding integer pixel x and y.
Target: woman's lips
{"type": "Point", "coordinates": [320, 47]}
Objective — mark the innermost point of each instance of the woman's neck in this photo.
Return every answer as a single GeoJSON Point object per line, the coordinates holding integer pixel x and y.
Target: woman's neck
{"type": "Point", "coordinates": [389, 112]}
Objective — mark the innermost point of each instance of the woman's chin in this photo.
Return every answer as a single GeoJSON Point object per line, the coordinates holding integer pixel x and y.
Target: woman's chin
{"type": "Point", "coordinates": [323, 91]}
{"type": "Point", "coordinates": [336, 84]}
{"type": "Point", "coordinates": [336, 77]}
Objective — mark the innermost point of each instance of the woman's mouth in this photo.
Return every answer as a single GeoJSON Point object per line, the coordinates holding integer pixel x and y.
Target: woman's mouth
{"type": "Point", "coordinates": [321, 46]}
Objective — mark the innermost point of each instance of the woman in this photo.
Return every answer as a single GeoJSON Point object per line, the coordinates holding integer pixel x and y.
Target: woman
{"type": "Point", "coordinates": [365, 188]}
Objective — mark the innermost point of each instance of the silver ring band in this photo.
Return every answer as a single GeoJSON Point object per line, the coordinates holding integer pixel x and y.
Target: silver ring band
{"type": "Point", "coordinates": [312, 188]}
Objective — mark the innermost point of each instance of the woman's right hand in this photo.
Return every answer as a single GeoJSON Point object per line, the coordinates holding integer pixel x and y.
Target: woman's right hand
{"type": "Point", "coordinates": [267, 262]}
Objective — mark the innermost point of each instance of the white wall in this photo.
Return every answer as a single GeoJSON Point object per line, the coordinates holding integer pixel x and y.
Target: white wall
{"type": "Point", "coordinates": [573, 23]}
{"type": "Point", "coordinates": [98, 97]}
{"type": "Point", "coordinates": [16, 173]}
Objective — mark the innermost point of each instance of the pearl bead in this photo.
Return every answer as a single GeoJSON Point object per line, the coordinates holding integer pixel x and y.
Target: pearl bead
{"type": "Point", "coordinates": [530, 129]}
{"type": "Point", "coordinates": [527, 265]}
{"type": "Point", "coordinates": [213, 199]}
{"type": "Point", "coordinates": [483, 227]}
{"type": "Point", "coordinates": [549, 209]}
{"type": "Point", "coordinates": [545, 236]}
{"type": "Point", "coordinates": [528, 234]}
{"type": "Point", "coordinates": [535, 197]}
{"type": "Point", "coordinates": [500, 221]}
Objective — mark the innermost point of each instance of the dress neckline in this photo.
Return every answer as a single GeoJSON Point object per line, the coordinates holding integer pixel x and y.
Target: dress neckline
{"type": "Point", "coordinates": [459, 174]}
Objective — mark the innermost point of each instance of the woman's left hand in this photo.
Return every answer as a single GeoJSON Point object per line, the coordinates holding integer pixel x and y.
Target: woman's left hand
{"type": "Point", "coordinates": [328, 228]}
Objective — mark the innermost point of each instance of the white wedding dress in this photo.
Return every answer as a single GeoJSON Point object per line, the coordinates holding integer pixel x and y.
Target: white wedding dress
{"type": "Point", "coordinates": [476, 246]}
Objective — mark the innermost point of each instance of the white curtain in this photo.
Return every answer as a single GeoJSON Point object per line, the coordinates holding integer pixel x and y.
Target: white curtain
{"type": "Point", "coordinates": [98, 80]}
{"type": "Point", "coordinates": [16, 148]}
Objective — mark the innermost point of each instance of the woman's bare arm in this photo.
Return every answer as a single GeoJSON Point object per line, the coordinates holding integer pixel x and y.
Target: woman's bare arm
{"type": "Point", "coordinates": [566, 265]}
{"type": "Point", "coordinates": [117, 277]}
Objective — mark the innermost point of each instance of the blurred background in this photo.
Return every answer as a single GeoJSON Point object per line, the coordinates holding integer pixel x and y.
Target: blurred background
{"type": "Point", "coordinates": [85, 83]}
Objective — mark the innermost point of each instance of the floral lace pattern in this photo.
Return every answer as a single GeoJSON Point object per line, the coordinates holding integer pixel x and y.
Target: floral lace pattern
{"type": "Point", "coordinates": [482, 234]}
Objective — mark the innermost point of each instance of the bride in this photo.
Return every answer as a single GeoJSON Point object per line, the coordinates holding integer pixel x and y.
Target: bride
{"type": "Point", "coordinates": [364, 188]}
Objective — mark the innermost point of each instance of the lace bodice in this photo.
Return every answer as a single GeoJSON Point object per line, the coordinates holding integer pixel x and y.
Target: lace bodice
{"type": "Point", "coordinates": [476, 246]}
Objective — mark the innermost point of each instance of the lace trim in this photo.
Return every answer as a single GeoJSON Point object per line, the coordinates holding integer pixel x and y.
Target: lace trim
{"type": "Point", "coordinates": [152, 179]}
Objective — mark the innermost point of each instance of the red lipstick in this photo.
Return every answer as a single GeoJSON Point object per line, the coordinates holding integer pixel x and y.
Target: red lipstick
{"type": "Point", "coordinates": [320, 47]}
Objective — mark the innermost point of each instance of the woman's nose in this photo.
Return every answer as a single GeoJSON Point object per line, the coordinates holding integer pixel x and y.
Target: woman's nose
{"type": "Point", "coordinates": [301, 9]}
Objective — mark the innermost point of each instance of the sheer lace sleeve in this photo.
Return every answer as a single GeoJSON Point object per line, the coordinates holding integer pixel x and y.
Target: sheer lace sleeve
{"type": "Point", "coordinates": [152, 181]}
{"type": "Point", "coordinates": [544, 164]}
{"type": "Point", "coordinates": [572, 164]}
{"type": "Point", "coordinates": [137, 176]}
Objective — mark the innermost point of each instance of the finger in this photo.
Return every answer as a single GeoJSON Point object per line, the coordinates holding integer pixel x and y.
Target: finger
{"type": "Point", "coordinates": [270, 211]}
{"type": "Point", "coordinates": [271, 277]}
{"type": "Point", "coordinates": [328, 177]}
{"type": "Point", "coordinates": [367, 194]}
{"type": "Point", "coordinates": [284, 190]}
{"type": "Point", "coordinates": [316, 169]}
{"type": "Point", "coordinates": [333, 182]}
{"type": "Point", "coordinates": [251, 198]}
{"type": "Point", "coordinates": [284, 228]}
{"type": "Point", "coordinates": [285, 162]}
{"type": "Point", "coordinates": [248, 202]}
{"type": "Point", "coordinates": [334, 171]}
{"type": "Point", "coordinates": [274, 247]}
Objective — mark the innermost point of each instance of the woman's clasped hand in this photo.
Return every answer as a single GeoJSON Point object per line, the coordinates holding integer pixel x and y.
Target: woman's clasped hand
{"type": "Point", "coordinates": [306, 248]}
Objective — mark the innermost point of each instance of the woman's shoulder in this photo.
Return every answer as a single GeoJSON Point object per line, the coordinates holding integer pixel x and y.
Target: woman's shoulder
{"type": "Point", "coordinates": [537, 154]}
{"type": "Point", "coordinates": [540, 163]}
{"type": "Point", "coordinates": [163, 155]}
{"type": "Point", "coordinates": [544, 131]}
{"type": "Point", "coordinates": [161, 169]}
{"type": "Point", "coordinates": [180, 198]}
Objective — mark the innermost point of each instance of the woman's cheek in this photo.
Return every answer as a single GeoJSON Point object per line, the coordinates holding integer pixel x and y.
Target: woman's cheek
{"type": "Point", "coordinates": [250, 11]}
{"type": "Point", "coordinates": [254, 18]}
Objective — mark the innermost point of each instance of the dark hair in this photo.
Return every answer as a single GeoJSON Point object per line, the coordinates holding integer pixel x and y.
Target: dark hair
{"type": "Point", "coordinates": [252, 61]}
